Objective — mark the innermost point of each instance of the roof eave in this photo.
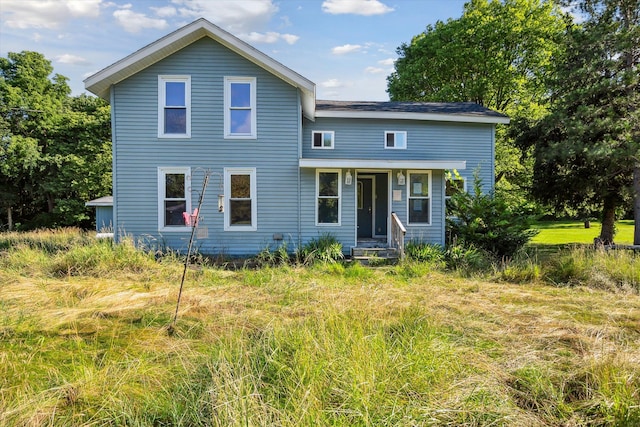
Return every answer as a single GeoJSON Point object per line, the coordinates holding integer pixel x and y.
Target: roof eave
{"type": "Point", "coordinates": [461, 118]}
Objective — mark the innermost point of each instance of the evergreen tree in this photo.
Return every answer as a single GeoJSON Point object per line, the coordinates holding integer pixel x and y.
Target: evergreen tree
{"type": "Point", "coordinates": [587, 150]}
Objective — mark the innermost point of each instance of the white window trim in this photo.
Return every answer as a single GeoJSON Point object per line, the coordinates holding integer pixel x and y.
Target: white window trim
{"type": "Point", "coordinates": [227, 196]}
{"type": "Point", "coordinates": [395, 132]}
{"type": "Point", "coordinates": [333, 138]}
{"type": "Point", "coordinates": [227, 108]}
{"type": "Point", "coordinates": [317, 196]}
{"type": "Point", "coordinates": [162, 172]}
{"type": "Point", "coordinates": [162, 79]}
{"type": "Point", "coordinates": [430, 197]}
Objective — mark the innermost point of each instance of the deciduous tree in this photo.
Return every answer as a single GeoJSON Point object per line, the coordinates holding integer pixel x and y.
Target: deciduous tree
{"type": "Point", "coordinates": [496, 55]}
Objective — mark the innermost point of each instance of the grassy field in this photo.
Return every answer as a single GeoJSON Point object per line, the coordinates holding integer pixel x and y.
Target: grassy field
{"type": "Point", "coordinates": [84, 341]}
{"type": "Point", "coordinates": [568, 232]}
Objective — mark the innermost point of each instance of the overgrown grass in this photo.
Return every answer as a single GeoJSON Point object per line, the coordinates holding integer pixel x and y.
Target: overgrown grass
{"type": "Point", "coordinates": [83, 341]}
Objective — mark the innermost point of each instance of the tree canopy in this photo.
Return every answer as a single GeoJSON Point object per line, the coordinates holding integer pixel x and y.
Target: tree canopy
{"type": "Point", "coordinates": [55, 150]}
{"type": "Point", "coordinates": [587, 149]}
{"type": "Point", "coordinates": [496, 54]}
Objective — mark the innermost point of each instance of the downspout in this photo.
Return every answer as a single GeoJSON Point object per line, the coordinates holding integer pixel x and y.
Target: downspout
{"type": "Point", "coordinates": [114, 213]}
{"type": "Point", "coordinates": [298, 169]}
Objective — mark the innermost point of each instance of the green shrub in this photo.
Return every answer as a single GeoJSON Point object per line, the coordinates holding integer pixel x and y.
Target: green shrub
{"type": "Point", "coordinates": [465, 258]}
{"type": "Point", "coordinates": [324, 248]}
{"type": "Point", "coordinates": [425, 252]}
{"type": "Point", "coordinates": [269, 256]}
{"type": "Point", "coordinates": [488, 222]}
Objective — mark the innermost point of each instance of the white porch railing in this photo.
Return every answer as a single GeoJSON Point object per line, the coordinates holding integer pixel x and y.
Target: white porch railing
{"type": "Point", "coordinates": [397, 234]}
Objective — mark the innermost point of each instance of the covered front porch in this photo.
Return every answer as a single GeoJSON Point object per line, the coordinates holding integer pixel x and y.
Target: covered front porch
{"type": "Point", "coordinates": [380, 201]}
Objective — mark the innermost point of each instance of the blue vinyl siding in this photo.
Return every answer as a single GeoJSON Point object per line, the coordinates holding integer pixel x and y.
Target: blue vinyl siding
{"type": "Point", "coordinates": [139, 152]}
{"type": "Point", "coordinates": [364, 139]}
{"type": "Point", "coordinates": [104, 218]}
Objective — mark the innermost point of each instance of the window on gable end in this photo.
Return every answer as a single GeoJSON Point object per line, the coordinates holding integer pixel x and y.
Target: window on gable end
{"type": "Point", "coordinates": [395, 140]}
{"type": "Point", "coordinates": [174, 106]}
{"type": "Point", "coordinates": [322, 139]}
{"type": "Point", "coordinates": [240, 107]}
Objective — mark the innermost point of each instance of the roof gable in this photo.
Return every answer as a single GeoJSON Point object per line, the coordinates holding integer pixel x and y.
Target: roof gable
{"type": "Point", "coordinates": [100, 82]}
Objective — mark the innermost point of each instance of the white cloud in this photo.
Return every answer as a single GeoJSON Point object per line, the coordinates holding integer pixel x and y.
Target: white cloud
{"type": "Point", "coordinates": [387, 62]}
{"type": "Point", "coordinates": [332, 84]}
{"type": "Point", "coordinates": [269, 37]}
{"type": "Point", "coordinates": [374, 70]}
{"type": "Point", "coordinates": [290, 38]}
{"type": "Point", "coordinates": [36, 37]}
{"type": "Point", "coordinates": [347, 48]}
{"type": "Point", "coordinates": [236, 16]}
{"type": "Point", "coordinates": [48, 14]}
{"type": "Point", "coordinates": [71, 59]}
{"type": "Point", "coordinates": [165, 11]}
{"type": "Point", "coordinates": [133, 22]}
{"type": "Point", "coordinates": [356, 7]}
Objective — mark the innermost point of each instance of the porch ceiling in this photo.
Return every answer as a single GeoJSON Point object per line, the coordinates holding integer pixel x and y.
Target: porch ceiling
{"type": "Point", "coordinates": [383, 164]}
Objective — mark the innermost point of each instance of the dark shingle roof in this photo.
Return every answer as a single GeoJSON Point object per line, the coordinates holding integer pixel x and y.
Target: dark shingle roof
{"type": "Point", "coordinates": [449, 108]}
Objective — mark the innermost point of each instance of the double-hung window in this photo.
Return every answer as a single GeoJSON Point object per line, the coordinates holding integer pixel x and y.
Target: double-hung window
{"type": "Point", "coordinates": [174, 106]}
{"type": "Point", "coordinates": [240, 213]}
{"type": "Point", "coordinates": [174, 198]}
{"type": "Point", "coordinates": [419, 198]}
{"type": "Point", "coordinates": [240, 107]}
{"type": "Point", "coordinates": [322, 139]}
{"type": "Point", "coordinates": [328, 197]}
{"type": "Point", "coordinates": [395, 140]}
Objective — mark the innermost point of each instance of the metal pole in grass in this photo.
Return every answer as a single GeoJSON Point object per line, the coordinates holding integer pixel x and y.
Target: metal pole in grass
{"type": "Point", "coordinates": [205, 182]}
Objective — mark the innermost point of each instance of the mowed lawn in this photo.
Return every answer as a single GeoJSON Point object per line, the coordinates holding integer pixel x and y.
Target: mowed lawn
{"type": "Point", "coordinates": [568, 232]}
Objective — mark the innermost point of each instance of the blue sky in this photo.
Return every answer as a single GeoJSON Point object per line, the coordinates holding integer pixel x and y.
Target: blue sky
{"type": "Point", "coordinates": [347, 47]}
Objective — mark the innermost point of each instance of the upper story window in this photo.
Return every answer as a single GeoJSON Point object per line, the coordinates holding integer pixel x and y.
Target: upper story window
{"type": "Point", "coordinates": [174, 106]}
{"type": "Point", "coordinates": [322, 139]}
{"type": "Point", "coordinates": [419, 198]}
{"type": "Point", "coordinates": [395, 139]}
{"type": "Point", "coordinates": [174, 198]}
{"type": "Point", "coordinates": [240, 107]}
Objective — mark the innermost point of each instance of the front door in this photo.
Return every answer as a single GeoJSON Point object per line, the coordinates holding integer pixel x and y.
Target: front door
{"type": "Point", "coordinates": [365, 207]}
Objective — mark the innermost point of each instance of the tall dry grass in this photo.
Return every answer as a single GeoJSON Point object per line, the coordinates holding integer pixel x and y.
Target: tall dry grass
{"type": "Point", "coordinates": [83, 341]}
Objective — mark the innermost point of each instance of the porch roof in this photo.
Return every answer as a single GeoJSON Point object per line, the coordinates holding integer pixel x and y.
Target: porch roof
{"type": "Point", "coordinates": [382, 164]}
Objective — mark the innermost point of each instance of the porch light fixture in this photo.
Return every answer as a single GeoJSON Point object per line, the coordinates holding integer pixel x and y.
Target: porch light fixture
{"type": "Point", "coordinates": [347, 178]}
{"type": "Point", "coordinates": [220, 202]}
{"type": "Point", "coordinates": [401, 180]}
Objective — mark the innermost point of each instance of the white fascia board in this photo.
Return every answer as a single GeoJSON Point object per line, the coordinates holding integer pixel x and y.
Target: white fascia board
{"type": "Point", "coordinates": [460, 118]}
{"type": "Point", "coordinates": [100, 82]}
{"type": "Point", "coordinates": [382, 164]}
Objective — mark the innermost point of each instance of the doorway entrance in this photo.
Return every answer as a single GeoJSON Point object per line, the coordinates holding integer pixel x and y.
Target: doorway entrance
{"type": "Point", "coordinates": [372, 206]}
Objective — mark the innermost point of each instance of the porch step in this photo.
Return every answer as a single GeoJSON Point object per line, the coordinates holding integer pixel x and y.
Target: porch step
{"type": "Point", "coordinates": [369, 256]}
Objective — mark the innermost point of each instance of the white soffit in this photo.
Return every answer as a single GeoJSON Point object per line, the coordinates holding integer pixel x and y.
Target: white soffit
{"type": "Point", "coordinates": [382, 164]}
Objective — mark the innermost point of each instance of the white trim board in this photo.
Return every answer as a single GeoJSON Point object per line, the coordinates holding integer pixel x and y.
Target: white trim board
{"type": "Point", "coordinates": [382, 164]}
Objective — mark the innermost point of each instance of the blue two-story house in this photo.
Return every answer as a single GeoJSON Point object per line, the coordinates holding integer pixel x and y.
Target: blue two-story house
{"type": "Point", "coordinates": [280, 165]}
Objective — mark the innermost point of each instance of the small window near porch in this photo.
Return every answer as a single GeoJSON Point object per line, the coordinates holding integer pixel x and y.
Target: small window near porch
{"type": "Point", "coordinates": [395, 140]}
{"type": "Point", "coordinates": [322, 140]}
